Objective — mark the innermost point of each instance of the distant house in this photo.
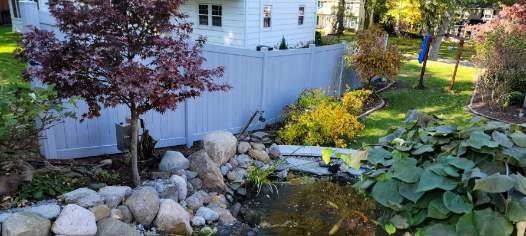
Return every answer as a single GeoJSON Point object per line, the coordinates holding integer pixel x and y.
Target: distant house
{"type": "Point", "coordinates": [471, 16]}
{"type": "Point", "coordinates": [354, 15]}
{"type": "Point", "coordinates": [236, 23]}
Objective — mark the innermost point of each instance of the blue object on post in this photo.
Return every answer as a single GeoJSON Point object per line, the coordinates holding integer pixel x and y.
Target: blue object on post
{"type": "Point", "coordinates": [423, 49]}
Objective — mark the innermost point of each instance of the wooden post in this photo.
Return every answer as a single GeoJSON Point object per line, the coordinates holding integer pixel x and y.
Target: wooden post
{"type": "Point", "coordinates": [423, 71]}
{"type": "Point", "coordinates": [459, 54]}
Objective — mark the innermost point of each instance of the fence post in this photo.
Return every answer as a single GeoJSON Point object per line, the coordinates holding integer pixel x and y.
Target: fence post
{"type": "Point", "coordinates": [29, 14]}
{"type": "Point", "coordinates": [187, 130]}
{"type": "Point", "coordinates": [312, 72]}
{"type": "Point", "coordinates": [264, 67]}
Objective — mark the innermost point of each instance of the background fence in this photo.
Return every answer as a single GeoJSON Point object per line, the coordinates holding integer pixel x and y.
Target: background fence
{"type": "Point", "coordinates": [266, 81]}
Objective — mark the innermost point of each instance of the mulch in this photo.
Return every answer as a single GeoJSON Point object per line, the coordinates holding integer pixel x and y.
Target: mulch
{"type": "Point", "coordinates": [508, 114]}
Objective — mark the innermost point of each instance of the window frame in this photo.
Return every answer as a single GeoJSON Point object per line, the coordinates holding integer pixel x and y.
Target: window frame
{"type": "Point", "coordinates": [220, 16]}
{"type": "Point", "coordinates": [199, 14]}
{"type": "Point", "coordinates": [301, 15]}
{"type": "Point", "coordinates": [210, 16]}
{"type": "Point", "coordinates": [267, 8]}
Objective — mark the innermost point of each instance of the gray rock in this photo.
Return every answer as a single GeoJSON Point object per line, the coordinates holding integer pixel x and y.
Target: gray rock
{"type": "Point", "coordinates": [235, 209]}
{"type": "Point", "coordinates": [48, 211]}
{"type": "Point", "coordinates": [220, 146]}
{"type": "Point", "coordinates": [306, 166]}
{"type": "Point", "coordinates": [182, 187]}
{"type": "Point", "coordinates": [75, 220]}
{"type": "Point", "coordinates": [273, 151]}
{"type": "Point", "coordinates": [198, 221]}
{"type": "Point", "coordinates": [196, 183]}
{"type": "Point", "coordinates": [83, 197]}
{"type": "Point", "coordinates": [173, 161]}
{"type": "Point", "coordinates": [225, 217]}
{"type": "Point", "coordinates": [198, 199]}
{"type": "Point", "coordinates": [233, 162]}
{"type": "Point", "coordinates": [208, 214]}
{"type": "Point", "coordinates": [258, 146]}
{"type": "Point", "coordinates": [143, 204]}
{"type": "Point", "coordinates": [259, 164]}
{"type": "Point", "coordinates": [244, 161]}
{"type": "Point", "coordinates": [100, 212]}
{"type": "Point", "coordinates": [217, 200]}
{"type": "Point", "coordinates": [5, 215]}
{"type": "Point", "coordinates": [165, 188]}
{"type": "Point", "coordinates": [190, 174]}
{"type": "Point", "coordinates": [113, 195]}
{"type": "Point", "coordinates": [173, 218]}
{"type": "Point", "coordinates": [243, 147]}
{"type": "Point", "coordinates": [259, 135]}
{"type": "Point", "coordinates": [259, 155]}
{"type": "Point", "coordinates": [208, 171]}
{"type": "Point", "coordinates": [114, 227]}
{"type": "Point", "coordinates": [122, 213]}
{"type": "Point", "coordinates": [242, 191]}
{"type": "Point", "coordinates": [282, 174]}
{"type": "Point", "coordinates": [160, 175]}
{"type": "Point", "coordinates": [26, 223]}
{"type": "Point", "coordinates": [237, 175]}
{"type": "Point", "coordinates": [225, 168]}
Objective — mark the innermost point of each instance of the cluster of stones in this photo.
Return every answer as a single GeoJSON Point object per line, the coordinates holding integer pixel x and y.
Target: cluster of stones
{"type": "Point", "coordinates": [189, 192]}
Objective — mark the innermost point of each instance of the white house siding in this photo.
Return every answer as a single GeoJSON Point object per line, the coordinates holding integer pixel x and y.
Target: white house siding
{"type": "Point", "coordinates": [232, 32]}
{"type": "Point", "coordinates": [284, 23]}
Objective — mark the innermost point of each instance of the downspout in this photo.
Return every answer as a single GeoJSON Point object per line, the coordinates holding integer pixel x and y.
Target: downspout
{"type": "Point", "coordinates": [260, 20]}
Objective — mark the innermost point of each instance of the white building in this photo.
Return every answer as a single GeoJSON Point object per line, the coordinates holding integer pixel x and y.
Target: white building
{"type": "Point", "coordinates": [236, 23]}
{"type": "Point", "coordinates": [354, 15]}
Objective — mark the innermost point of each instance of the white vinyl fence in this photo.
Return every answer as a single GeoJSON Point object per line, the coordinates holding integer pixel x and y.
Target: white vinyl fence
{"type": "Point", "coordinates": [266, 81]}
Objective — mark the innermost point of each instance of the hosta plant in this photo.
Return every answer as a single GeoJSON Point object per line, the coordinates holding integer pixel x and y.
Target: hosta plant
{"type": "Point", "coordinates": [444, 179]}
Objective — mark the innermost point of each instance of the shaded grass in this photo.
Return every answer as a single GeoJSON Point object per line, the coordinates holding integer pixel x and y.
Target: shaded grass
{"type": "Point", "coordinates": [10, 68]}
{"type": "Point", "coordinates": [434, 100]}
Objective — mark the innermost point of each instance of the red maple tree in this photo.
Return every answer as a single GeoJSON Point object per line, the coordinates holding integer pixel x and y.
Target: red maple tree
{"type": "Point", "coordinates": [133, 52]}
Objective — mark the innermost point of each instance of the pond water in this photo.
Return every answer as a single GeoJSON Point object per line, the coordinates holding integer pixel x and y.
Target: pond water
{"type": "Point", "coordinates": [314, 207]}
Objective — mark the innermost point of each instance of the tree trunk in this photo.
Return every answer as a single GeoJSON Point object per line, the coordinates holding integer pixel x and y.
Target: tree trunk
{"type": "Point", "coordinates": [437, 41]}
{"type": "Point", "coordinates": [133, 147]}
{"type": "Point", "coordinates": [524, 107]}
{"type": "Point", "coordinates": [371, 16]}
{"type": "Point", "coordinates": [340, 18]}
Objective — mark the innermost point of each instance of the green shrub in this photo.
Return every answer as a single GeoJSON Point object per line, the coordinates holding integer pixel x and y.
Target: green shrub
{"type": "Point", "coordinates": [320, 120]}
{"type": "Point", "coordinates": [442, 179]}
{"type": "Point", "coordinates": [318, 39]}
{"type": "Point", "coordinates": [46, 186]}
{"type": "Point", "coordinates": [283, 44]}
{"type": "Point", "coordinates": [514, 99]}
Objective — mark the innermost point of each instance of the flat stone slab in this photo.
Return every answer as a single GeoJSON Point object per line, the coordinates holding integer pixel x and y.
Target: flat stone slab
{"type": "Point", "coordinates": [310, 151]}
{"type": "Point", "coordinates": [306, 166]}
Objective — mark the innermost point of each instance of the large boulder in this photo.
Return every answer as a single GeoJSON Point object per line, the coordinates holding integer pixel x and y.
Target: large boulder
{"type": "Point", "coordinates": [75, 220]}
{"type": "Point", "coordinates": [173, 218]}
{"type": "Point", "coordinates": [220, 146]}
{"type": "Point", "coordinates": [182, 186]}
{"type": "Point", "coordinates": [114, 227]}
{"type": "Point", "coordinates": [173, 161]}
{"type": "Point", "coordinates": [143, 204]}
{"type": "Point", "coordinates": [83, 197]}
{"type": "Point", "coordinates": [113, 195]}
{"type": "Point", "coordinates": [208, 171]}
{"type": "Point", "coordinates": [49, 211]}
{"type": "Point", "coordinates": [26, 223]}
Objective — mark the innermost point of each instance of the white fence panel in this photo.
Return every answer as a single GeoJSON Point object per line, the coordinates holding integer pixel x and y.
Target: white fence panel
{"type": "Point", "coordinates": [265, 81]}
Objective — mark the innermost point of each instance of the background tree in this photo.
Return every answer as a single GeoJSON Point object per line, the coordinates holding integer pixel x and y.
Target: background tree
{"type": "Point", "coordinates": [406, 13]}
{"type": "Point", "coordinates": [132, 52]}
{"type": "Point", "coordinates": [339, 25]}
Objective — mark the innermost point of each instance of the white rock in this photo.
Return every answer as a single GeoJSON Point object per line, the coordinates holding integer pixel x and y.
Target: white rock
{"type": "Point", "coordinates": [258, 146]}
{"type": "Point", "coordinates": [198, 221]}
{"type": "Point", "coordinates": [208, 214]}
{"type": "Point", "coordinates": [220, 146]}
{"type": "Point", "coordinates": [113, 195]}
{"type": "Point", "coordinates": [173, 161]}
{"type": "Point", "coordinates": [48, 211]}
{"type": "Point", "coordinates": [113, 227]}
{"type": "Point", "coordinates": [259, 155]}
{"type": "Point", "coordinates": [26, 223]}
{"type": "Point", "coordinates": [75, 220]}
{"type": "Point", "coordinates": [173, 218]}
{"type": "Point", "coordinates": [143, 204]}
{"type": "Point", "coordinates": [83, 197]}
{"type": "Point", "coordinates": [182, 186]}
{"type": "Point", "coordinates": [243, 147]}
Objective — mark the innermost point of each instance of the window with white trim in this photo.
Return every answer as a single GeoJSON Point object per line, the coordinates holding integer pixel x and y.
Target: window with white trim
{"type": "Point", "coordinates": [267, 16]}
{"type": "Point", "coordinates": [203, 14]}
{"type": "Point", "coordinates": [301, 15]}
{"type": "Point", "coordinates": [210, 13]}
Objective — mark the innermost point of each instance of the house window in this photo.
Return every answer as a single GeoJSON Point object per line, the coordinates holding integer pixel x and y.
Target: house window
{"type": "Point", "coordinates": [203, 14]}
{"type": "Point", "coordinates": [217, 14]}
{"type": "Point", "coordinates": [16, 8]}
{"type": "Point", "coordinates": [267, 16]}
{"type": "Point", "coordinates": [301, 15]}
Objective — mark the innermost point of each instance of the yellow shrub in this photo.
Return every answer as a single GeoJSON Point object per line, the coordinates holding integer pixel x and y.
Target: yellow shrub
{"type": "Point", "coordinates": [328, 123]}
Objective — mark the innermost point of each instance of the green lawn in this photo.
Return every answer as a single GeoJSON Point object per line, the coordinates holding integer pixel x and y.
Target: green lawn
{"type": "Point", "coordinates": [434, 99]}
{"type": "Point", "coordinates": [10, 68]}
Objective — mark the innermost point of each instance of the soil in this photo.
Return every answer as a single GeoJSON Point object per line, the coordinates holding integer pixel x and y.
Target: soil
{"type": "Point", "coordinates": [508, 114]}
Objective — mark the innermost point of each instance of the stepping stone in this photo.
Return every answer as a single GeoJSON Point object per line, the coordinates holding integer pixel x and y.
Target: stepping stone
{"type": "Point", "coordinates": [310, 151]}
{"type": "Point", "coordinates": [306, 166]}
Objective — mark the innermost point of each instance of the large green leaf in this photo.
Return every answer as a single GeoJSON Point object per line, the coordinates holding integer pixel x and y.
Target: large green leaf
{"type": "Point", "coordinates": [405, 170]}
{"type": "Point", "coordinates": [520, 183]}
{"type": "Point", "coordinates": [518, 154]}
{"type": "Point", "coordinates": [478, 139]}
{"type": "Point", "coordinates": [444, 130]}
{"type": "Point", "coordinates": [399, 222]}
{"type": "Point", "coordinates": [495, 183]}
{"type": "Point", "coordinates": [409, 191]}
{"type": "Point", "coordinates": [519, 138]}
{"type": "Point", "coordinates": [516, 210]}
{"type": "Point", "coordinates": [456, 203]}
{"type": "Point", "coordinates": [493, 125]}
{"type": "Point", "coordinates": [491, 223]}
{"type": "Point", "coordinates": [423, 149]}
{"type": "Point", "coordinates": [465, 225]}
{"type": "Point", "coordinates": [462, 163]}
{"type": "Point", "coordinates": [437, 209]}
{"type": "Point", "coordinates": [439, 230]}
{"type": "Point", "coordinates": [472, 174]}
{"type": "Point", "coordinates": [429, 181]}
{"type": "Point", "coordinates": [502, 139]}
{"type": "Point", "coordinates": [386, 193]}
{"type": "Point", "coordinates": [377, 155]}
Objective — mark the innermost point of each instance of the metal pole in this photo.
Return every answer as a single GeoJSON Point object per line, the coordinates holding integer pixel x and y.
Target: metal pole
{"type": "Point", "coordinates": [459, 54]}
{"type": "Point", "coordinates": [423, 71]}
